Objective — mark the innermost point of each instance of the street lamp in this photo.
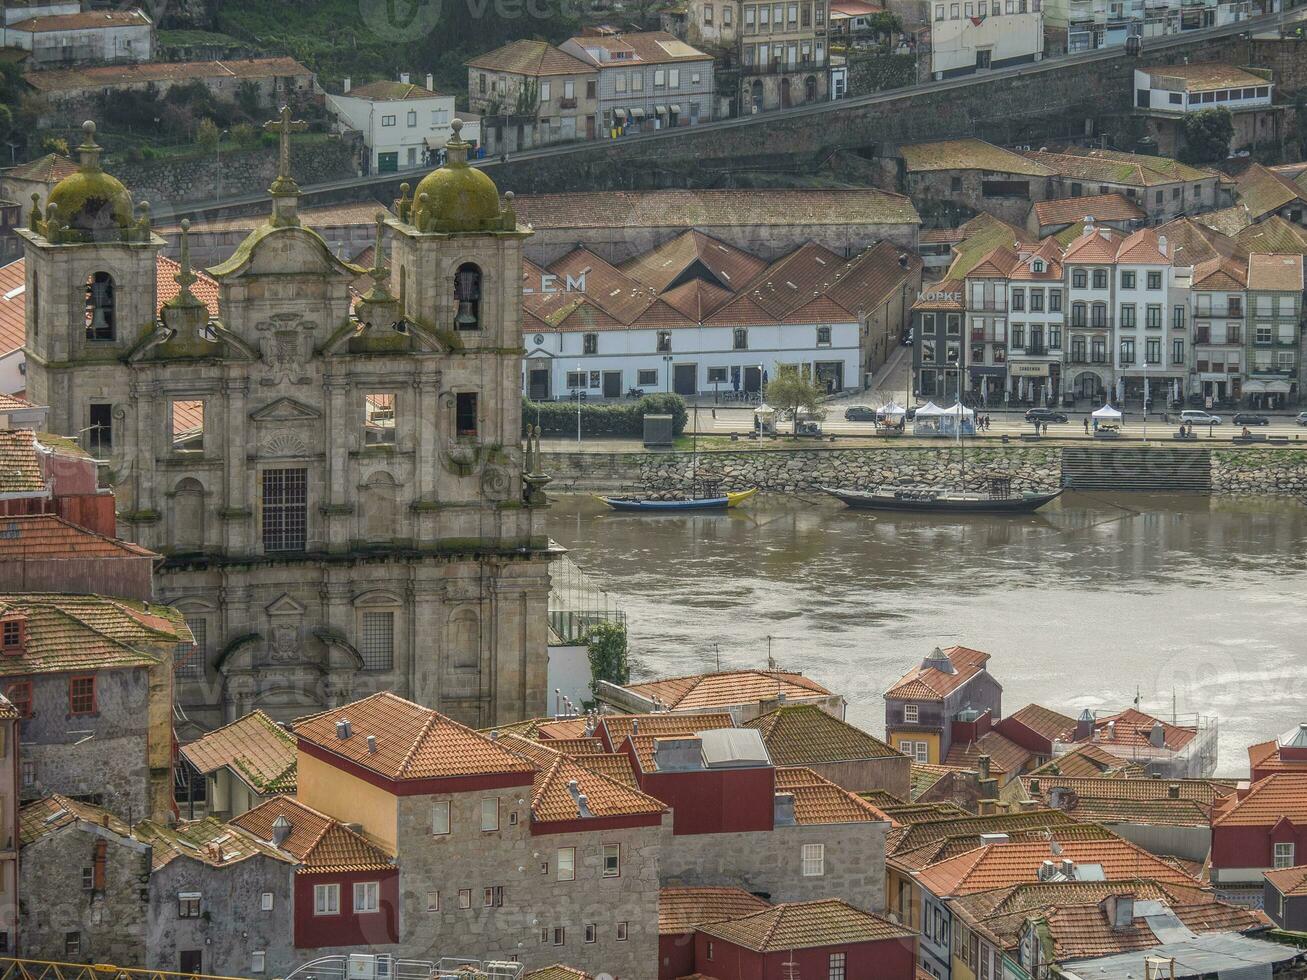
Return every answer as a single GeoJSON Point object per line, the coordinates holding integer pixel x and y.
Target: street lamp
{"type": "Point", "coordinates": [580, 376]}
{"type": "Point", "coordinates": [667, 373]}
{"type": "Point", "coordinates": [218, 150]}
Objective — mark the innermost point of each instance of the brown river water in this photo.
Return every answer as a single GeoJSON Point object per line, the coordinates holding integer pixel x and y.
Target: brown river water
{"type": "Point", "coordinates": [1195, 603]}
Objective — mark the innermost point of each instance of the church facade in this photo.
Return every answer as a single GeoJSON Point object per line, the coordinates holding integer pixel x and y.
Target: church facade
{"type": "Point", "coordinates": [336, 481]}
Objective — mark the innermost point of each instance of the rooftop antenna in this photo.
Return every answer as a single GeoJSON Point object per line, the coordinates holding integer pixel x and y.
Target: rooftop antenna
{"type": "Point", "coordinates": [771, 664]}
{"type": "Point", "coordinates": [717, 651]}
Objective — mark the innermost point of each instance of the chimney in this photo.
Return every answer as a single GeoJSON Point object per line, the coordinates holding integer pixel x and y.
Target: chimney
{"type": "Point", "coordinates": [982, 766]}
{"type": "Point", "coordinates": [1173, 791]}
{"type": "Point", "coordinates": [372, 743]}
{"type": "Point", "coordinates": [1047, 869]}
{"type": "Point", "coordinates": [281, 828]}
{"type": "Point", "coordinates": [343, 729]}
{"type": "Point", "coordinates": [431, 82]}
{"type": "Point", "coordinates": [1120, 910]}
{"type": "Point", "coordinates": [1068, 868]}
{"type": "Point", "coordinates": [574, 788]}
{"type": "Point", "coordinates": [994, 839]}
{"type": "Point", "coordinates": [1157, 737]}
{"type": "Point", "coordinates": [783, 810]}
{"type": "Point", "coordinates": [403, 77]}
{"type": "Point", "coordinates": [1161, 244]}
{"type": "Point", "coordinates": [1084, 725]}
{"type": "Point", "coordinates": [346, 84]}
{"type": "Point", "coordinates": [678, 753]}
{"type": "Point", "coordinates": [1111, 731]}
{"type": "Point", "coordinates": [635, 726]}
{"type": "Point", "coordinates": [583, 806]}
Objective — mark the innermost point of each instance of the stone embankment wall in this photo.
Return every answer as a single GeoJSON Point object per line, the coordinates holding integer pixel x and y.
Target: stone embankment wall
{"type": "Point", "coordinates": [804, 470]}
{"type": "Point", "coordinates": [1278, 472]}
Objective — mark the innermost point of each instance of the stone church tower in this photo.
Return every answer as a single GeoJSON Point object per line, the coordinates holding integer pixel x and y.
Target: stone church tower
{"type": "Point", "coordinates": [336, 481]}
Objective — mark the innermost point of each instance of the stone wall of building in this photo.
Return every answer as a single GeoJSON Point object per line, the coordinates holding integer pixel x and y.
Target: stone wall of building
{"type": "Point", "coordinates": [233, 924]}
{"type": "Point", "coordinates": [1286, 57]}
{"type": "Point", "coordinates": [1277, 472]}
{"type": "Point", "coordinates": [770, 863]}
{"type": "Point", "coordinates": [57, 908]}
{"type": "Point", "coordinates": [806, 470]}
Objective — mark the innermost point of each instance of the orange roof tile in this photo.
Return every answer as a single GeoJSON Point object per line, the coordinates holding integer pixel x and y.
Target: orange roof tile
{"type": "Point", "coordinates": [936, 828]}
{"type": "Point", "coordinates": [803, 925]}
{"type": "Point", "coordinates": [50, 536]}
{"type": "Point", "coordinates": [208, 841]}
{"type": "Point", "coordinates": [680, 910]}
{"type": "Point", "coordinates": [1143, 247]}
{"type": "Point", "coordinates": [550, 728]}
{"type": "Point", "coordinates": [49, 169]}
{"type": "Point", "coordinates": [141, 73]}
{"type": "Point", "coordinates": [1202, 791]}
{"type": "Point", "coordinates": [412, 742]}
{"type": "Point", "coordinates": [924, 683]}
{"type": "Point", "coordinates": [618, 727]}
{"type": "Point", "coordinates": [552, 798]}
{"type": "Point", "coordinates": [88, 632]}
{"type": "Point", "coordinates": [1276, 273]}
{"type": "Point", "coordinates": [1086, 759]}
{"type": "Point", "coordinates": [1132, 727]}
{"type": "Point", "coordinates": [255, 748]}
{"type": "Point", "coordinates": [1045, 722]}
{"type": "Point", "coordinates": [690, 254]}
{"type": "Point", "coordinates": [319, 842]}
{"type": "Point", "coordinates": [48, 814]}
{"type": "Point", "coordinates": [1267, 801]}
{"type": "Point", "coordinates": [1083, 931]}
{"type": "Point", "coordinates": [1004, 754]}
{"type": "Point", "coordinates": [819, 801]}
{"type": "Point", "coordinates": [1000, 865]}
{"type": "Point", "coordinates": [13, 306]}
{"type": "Point", "coordinates": [804, 734]}
{"type": "Point", "coordinates": [530, 58]}
{"type": "Point", "coordinates": [1097, 245]}
{"type": "Point", "coordinates": [728, 688]}
{"type": "Point", "coordinates": [84, 21]}
{"type": "Point", "coordinates": [1220, 273]}
{"type": "Point", "coordinates": [1100, 207]}
{"type": "Point", "coordinates": [1288, 881]}
{"type": "Point", "coordinates": [557, 971]}
{"type": "Point", "coordinates": [614, 765]}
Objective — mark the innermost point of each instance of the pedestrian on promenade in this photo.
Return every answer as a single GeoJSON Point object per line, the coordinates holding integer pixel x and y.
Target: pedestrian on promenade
{"type": "Point", "coordinates": [1086, 425]}
{"type": "Point", "coordinates": [1095, 425]}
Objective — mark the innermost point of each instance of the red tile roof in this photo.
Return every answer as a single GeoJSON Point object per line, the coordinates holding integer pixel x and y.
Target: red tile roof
{"type": "Point", "coordinates": [255, 748]}
{"type": "Point", "coordinates": [49, 169]}
{"type": "Point", "coordinates": [88, 632]}
{"type": "Point", "coordinates": [1097, 245]}
{"type": "Point", "coordinates": [142, 73]}
{"type": "Point", "coordinates": [804, 734]}
{"type": "Point", "coordinates": [50, 536]}
{"type": "Point", "coordinates": [1005, 755]}
{"type": "Point", "coordinates": [648, 47]}
{"type": "Point", "coordinates": [1100, 207]}
{"type": "Point", "coordinates": [729, 688]}
{"type": "Point", "coordinates": [84, 21]}
{"type": "Point", "coordinates": [530, 58]}
{"type": "Point", "coordinates": [618, 727]}
{"type": "Point", "coordinates": [552, 799]}
{"type": "Point", "coordinates": [1044, 722]}
{"type": "Point", "coordinates": [412, 742]}
{"type": "Point", "coordinates": [805, 925]}
{"type": "Point", "coordinates": [320, 843]}
{"type": "Point", "coordinates": [1086, 759]}
{"type": "Point", "coordinates": [819, 801]}
{"type": "Point", "coordinates": [13, 306]}
{"type": "Point", "coordinates": [680, 910]}
{"type": "Point", "coordinates": [924, 683]}
{"type": "Point", "coordinates": [1266, 802]}
{"type": "Point", "coordinates": [730, 266]}
{"type": "Point", "coordinates": [1133, 727]}
{"type": "Point", "coordinates": [1289, 881]}
{"type": "Point", "coordinates": [388, 91]}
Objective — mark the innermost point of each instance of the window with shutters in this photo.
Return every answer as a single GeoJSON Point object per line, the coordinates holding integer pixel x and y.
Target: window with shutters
{"type": "Point", "coordinates": [285, 509]}
{"type": "Point", "coordinates": [377, 641]}
{"type": "Point", "coordinates": [81, 695]}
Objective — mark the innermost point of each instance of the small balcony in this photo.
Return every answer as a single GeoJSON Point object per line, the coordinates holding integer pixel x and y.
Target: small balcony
{"type": "Point", "coordinates": [566, 103]}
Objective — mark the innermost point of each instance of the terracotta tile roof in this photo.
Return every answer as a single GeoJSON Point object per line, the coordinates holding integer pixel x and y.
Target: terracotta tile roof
{"type": "Point", "coordinates": [680, 910]}
{"type": "Point", "coordinates": [1264, 757]}
{"type": "Point", "coordinates": [1100, 207]}
{"type": "Point", "coordinates": [944, 827]}
{"type": "Point", "coordinates": [12, 403]}
{"type": "Point", "coordinates": [318, 842]}
{"type": "Point", "coordinates": [932, 684]}
{"type": "Point", "coordinates": [1228, 221]}
{"type": "Point", "coordinates": [49, 169]}
{"type": "Point", "coordinates": [804, 925]}
{"type": "Point", "coordinates": [940, 236]}
{"type": "Point", "coordinates": [649, 47]}
{"type": "Point", "coordinates": [1044, 722]}
{"type": "Point", "coordinates": [142, 73]}
{"type": "Point", "coordinates": [790, 282]}
{"type": "Point", "coordinates": [577, 746]}
{"type": "Point", "coordinates": [968, 154]}
{"type": "Point", "coordinates": [1205, 792]}
{"type": "Point", "coordinates": [1157, 813]}
{"type": "Point", "coordinates": [255, 748]}
{"type": "Point", "coordinates": [1280, 273]}
{"type": "Point", "coordinates": [1132, 727]}
{"type": "Point", "coordinates": [1288, 881]}
{"type": "Point", "coordinates": [614, 765]}
{"type": "Point", "coordinates": [1205, 77]}
{"type": "Point", "coordinates": [819, 801]}
{"type": "Point", "coordinates": [20, 466]}
{"type": "Point", "coordinates": [557, 972]}
{"type": "Point", "coordinates": [925, 776]}
{"type": "Point", "coordinates": [951, 847]}
{"type": "Point", "coordinates": [388, 91]}
{"type": "Point", "coordinates": [83, 21]}
{"type": "Point", "coordinates": [728, 688]}
{"type": "Point", "coordinates": [1083, 931]}
{"type": "Point", "coordinates": [1005, 755]}
{"type": "Point", "coordinates": [1220, 274]}
{"type": "Point", "coordinates": [533, 58]}
{"type": "Point", "coordinates": [13, 306]}
{"type": "Point", "coordinates": [1279, 795]}
{"type": "Point", "coordinates": [46, 815]}
{"type": "Point", "coordinates": [716, 207]}
{"type": "Point", "coordinates": [87, 632]}
{"type": "Point", "coordinates": [618, 727]}
{"type": "Point", "coordinates": [1086, 759]}
{"type": "Point", "coordinates": [697, 299]}
{"type": "Point", "coordinates": [1272, 234]}
{"type": "Point", "coordinates": [1262, 191]}
{"type": "Point", "coordinates": [981, 235]}
{"type": "Point", "coordinates": [1023, 270]}
{"type": "Point", "coordinates": [552, 799]}
{"type": "Point", "coordinates": [1096, 245]}
{"type": "Point", "coordinates": [689, 252]}
{"type": "Point", "coordinates": [550, 728]}
{"type": "Point", "coordinates": [1113, 167]}
{"type": "Point", "coordinates": [412, 742]}
{"type": "Point", "coordinates": [208, 841]}
{"type": "Point", "coordinates": [1192, 242]}
{"type": "Point", "coordinates": [1143, 247]}
{"type": "Point", "coordinates": [205, 287]}
{"type": "Point", "coordinates": [999, 865]}
{"type": "Point", "coordinates": [50, 536]}
{"type": "Point", "coordinates": [537, 753]}
{"type": "Point", "coordinates": [804, 734]}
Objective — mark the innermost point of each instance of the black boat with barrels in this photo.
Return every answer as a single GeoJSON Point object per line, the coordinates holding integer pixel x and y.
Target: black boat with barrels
{"type": "Point", "coordinates": [997, 499]}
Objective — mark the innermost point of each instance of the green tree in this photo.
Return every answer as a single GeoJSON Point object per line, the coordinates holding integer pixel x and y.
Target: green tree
{"type": "Point", "coordinates": [6, 122]}
{"type": "Point", "coordinates": [605, 644]}
{"type": "Point", "coordinates": [248, 98]}
{"type": "Point", "coordinates": [790, 393]}
{"type": "Point", "coordinates": [54, 144]}
{"type": "Point", "coordinates": [1207, 135]}
{"type": "Point", "coordinates": [206, 134]}
{"type": "Point", "coordinates": [245, 134]}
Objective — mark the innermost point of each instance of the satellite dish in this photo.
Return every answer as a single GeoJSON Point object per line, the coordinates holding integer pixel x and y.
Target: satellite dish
{"type": "Point", "coordinates": [1056, 848]}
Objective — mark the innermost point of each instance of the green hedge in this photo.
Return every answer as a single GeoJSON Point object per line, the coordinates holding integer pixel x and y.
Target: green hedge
{"type": "Point", "coordinates": [603, 419]}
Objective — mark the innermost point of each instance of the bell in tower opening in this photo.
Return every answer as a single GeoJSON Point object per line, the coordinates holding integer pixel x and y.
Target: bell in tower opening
{"type": "Point", "coordinates": [99, 307]}
{"type": "Point", "coordinates": [467, 292]}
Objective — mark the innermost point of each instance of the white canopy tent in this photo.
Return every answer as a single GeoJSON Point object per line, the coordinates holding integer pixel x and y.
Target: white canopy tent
{"type": "Point", "coordinates": [930, 410]}
{"type": "Point", "coordinates": [1107, 412]}
{"type": "Point", "coordinates": [891, 410]}
{"type": "Point", "coordinates": [958, 409]}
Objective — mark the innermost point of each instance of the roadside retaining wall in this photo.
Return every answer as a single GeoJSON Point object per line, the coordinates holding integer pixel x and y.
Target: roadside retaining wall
{"type": "Point", "coordinates": [1278, 472]}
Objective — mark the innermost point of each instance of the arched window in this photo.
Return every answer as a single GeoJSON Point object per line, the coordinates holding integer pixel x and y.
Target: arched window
{"type": "Point", "coordinates": [467, 294]}
{"type": "Point", "coordinates": [100, 313]}
{"type": "Point", "coordinates": [1077, 314]}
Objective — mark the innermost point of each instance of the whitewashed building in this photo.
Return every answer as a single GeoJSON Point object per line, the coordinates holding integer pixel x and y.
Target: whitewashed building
{"type": "Point", "coordinates": [967, 36]}
{"type": "Point", "coordinates": [57, 35]}
{"type": "Point", "coordinates": [400, 121]}
{"type": "Point", "coordinates": [698, 317]}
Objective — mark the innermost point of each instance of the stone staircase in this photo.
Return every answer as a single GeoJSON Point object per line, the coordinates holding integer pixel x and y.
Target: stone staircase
{"type": "Point", "coordinates": [1138, 468]}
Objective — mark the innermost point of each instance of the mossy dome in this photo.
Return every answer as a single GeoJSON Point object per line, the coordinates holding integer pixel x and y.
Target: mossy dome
{"type": "Point", "coordinates": [91, 203]}
{"type": "Point", "coordinates": [458, 198]}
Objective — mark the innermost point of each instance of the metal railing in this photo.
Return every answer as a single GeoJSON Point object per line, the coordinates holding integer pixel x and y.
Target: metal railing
{"type": "Point", "coordinates": [383, 966]}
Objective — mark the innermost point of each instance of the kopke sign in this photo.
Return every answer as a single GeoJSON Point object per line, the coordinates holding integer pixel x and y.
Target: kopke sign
{"type": "Point", "coordinates": [550, 283]}
{"type": "Point", "coordinates": [940, 297]}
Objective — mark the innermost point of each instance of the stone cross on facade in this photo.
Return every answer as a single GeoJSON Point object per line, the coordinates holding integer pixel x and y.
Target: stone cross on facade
{"type": "Point", "coordinates": [283, 126]}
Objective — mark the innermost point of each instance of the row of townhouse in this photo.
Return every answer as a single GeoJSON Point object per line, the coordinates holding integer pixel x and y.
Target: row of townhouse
{"type": "Point", "coordinates": [601, 85]}
{"type": "Point", "coordinates": [697, 316]}
{"type": "Point", "coordinates": [1113, 317]}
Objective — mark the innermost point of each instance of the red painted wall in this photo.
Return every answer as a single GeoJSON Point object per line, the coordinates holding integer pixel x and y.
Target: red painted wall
{"type": "Point", "coordinates": [715, 801]}
{"type": "Point", "coordinates": [1251, 847]}
{"type": "Point", "coordinates": [675, 956]}
{"type": "Point", "coordinates": [1026, 738]}
{"type": "Point", "coordinates": [969, 731]}
{"type": "Point", "coordinates": [893, 959]}
{"type": "Point", "coordinates": [345, 928]}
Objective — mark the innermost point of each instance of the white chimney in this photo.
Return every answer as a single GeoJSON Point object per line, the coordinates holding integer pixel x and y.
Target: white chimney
{"type": "Point", "coordinates": [1161, 244]}
{"type": "Point", "coordinates": [431, 81]}
{"type": "Point", "coordinates": [344, 729]}
{"type": "Point", "coordinates": [347, 85]}
{"type": "Point", "coordinates": [403, 77]}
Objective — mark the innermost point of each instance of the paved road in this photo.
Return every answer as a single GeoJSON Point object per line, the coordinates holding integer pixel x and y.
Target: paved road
{"type": "Point", "coordinates": [1153, 47]}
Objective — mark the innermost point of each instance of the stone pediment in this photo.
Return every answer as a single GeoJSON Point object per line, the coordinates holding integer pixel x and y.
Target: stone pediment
{"type": "Point", "coordinates": [539, 353]}
{"type": "Point", "coordinates": [284, 605]}
{"type": "Point", "coordinates": [285, 410]}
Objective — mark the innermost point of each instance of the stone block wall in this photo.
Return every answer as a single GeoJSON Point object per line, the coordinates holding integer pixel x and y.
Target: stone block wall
{"type": "Point", "coordinates": [1274, 472]}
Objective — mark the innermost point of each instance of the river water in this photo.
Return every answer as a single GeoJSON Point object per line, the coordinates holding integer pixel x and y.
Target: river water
{"type": "Point", "coordinates": [1195, 603]}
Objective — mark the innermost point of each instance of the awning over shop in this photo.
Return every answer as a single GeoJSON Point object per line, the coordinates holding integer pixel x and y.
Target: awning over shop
{"type": "Point", "coordinates": [1254, 387]}
{"type": "Point", "coordinates": [619, 115]}
{"type": "Point", "coordinates": [661, 110]}
{"type": "Point", "coordinates": [676, 110]}
{"type": "Point", "coordinates": [1277, 387]}
{"type": "Point", "coordinates": [637, 114]}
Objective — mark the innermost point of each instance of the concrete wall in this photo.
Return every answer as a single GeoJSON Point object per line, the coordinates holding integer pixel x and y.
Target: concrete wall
{"type": "Point", "coordinates": [771, 862]}
{"type": "Point", "coordinates": [893, 774]}
{"type": "Point", "coordinates": [1191, 843]}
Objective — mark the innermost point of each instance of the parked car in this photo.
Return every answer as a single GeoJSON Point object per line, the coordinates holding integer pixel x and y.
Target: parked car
{"type": "Point", "coordinates": [1251, 418]}
{"type": "Point", "coordinates": [1301, 418]}
{"type": "Point", "coordinates": [1199, 417]}
{"type": "Point", "coordinates": [1044, 415]}
{"type": "Point", "coordinates": [859, 413]}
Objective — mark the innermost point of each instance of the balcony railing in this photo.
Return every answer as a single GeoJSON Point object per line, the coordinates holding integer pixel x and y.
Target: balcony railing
{"type": "Point", "coordinates": [783, 67]}
{"type": "Point", "coordinates": [566, 103]}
